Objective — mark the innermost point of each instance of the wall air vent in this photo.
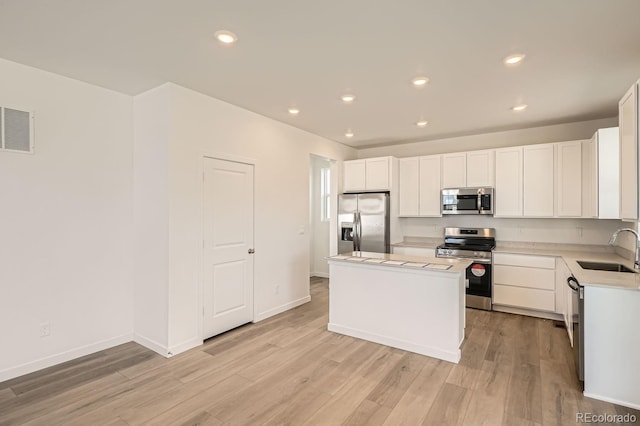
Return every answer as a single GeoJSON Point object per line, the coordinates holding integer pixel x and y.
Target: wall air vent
{"type": "Point", "coordinates": [16, 130]}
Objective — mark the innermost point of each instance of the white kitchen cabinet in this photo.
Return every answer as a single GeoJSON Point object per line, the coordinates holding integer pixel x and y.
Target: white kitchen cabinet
{"type": "Point", "coordinates": [409, 186]}
{"type": "Point", "coordinates": [508, 180]}
{"type": "Point", "coordinates": [538, 180]}
{"type": "Point", "coordinates": [628, 116]}
{"type": "Point", "coordinates": [430, 169]}
{"type": "Point", "coordinates": [563, 296]}
{"type": "Point", "coordinates": [601, 175]}
{"type": "Point", "coordinates": [419, 186]}
{"type": "Point", "coordinates": [454, 170]}
{"type": "Point", "coordinates": [414, 251]}
{"type": "Point", "coordinates": [569, 179]}
{"type": "Point", "coordinates": [524, 282]}
{"type": "Point", "coordinates": [354, 175]}
{"type": "Point", "coordinates": [468, 169]}
{"type": "Point", "coordinates": [370, 174]}
{"type": "Point", "coordinates": [481, 168]}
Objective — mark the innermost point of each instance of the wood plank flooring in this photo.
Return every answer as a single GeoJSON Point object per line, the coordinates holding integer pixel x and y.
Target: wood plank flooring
{"type": "Point", "coordinates": [290, 370]}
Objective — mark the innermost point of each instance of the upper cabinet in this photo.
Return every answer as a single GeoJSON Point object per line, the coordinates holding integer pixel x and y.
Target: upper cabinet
{"type": "Point", "coordinates": [538, 180]}
{"type": "Point", "coordinates": [508, 199]}
{"type": "Point", "coordinates": [468, 169]}
{"type": "Point", "coordinates": [569, 179]}
{"type": "Point", "coordinates": [481, 168]}
{"type": "Point", "coordinates": [371, 174]}
{"type": "Point", "coordinates": [601, 175]}
{"type": "Point", "coordinates": [419, 186]}
{"type": "Point", "coordinates": [454, 170]}
{"type": "Point", "coordinates": [628, 112]}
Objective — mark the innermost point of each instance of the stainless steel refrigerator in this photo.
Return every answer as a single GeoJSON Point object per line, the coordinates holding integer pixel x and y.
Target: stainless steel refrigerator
{"type": "Point", "coordinates": [363, 222]}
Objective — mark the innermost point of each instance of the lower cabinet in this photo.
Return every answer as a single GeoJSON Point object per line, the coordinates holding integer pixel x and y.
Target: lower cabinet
{"type": "Point", "coordinates": [414, 251]}
{"type": "Point", "coordinates": [525, 282]}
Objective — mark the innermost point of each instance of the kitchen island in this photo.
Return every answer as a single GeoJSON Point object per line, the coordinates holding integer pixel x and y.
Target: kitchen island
{"type": "Point", "coordinates": [411, 303]}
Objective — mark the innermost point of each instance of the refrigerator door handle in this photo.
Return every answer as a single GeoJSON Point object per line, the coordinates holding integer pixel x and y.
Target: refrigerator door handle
{"type": "Point", "coordinates": [359, 230]}
{"type": "Point", "coordinates": [355, 231]}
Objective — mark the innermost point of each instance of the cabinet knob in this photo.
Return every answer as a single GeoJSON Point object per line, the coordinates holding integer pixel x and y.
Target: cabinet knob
{"type": "Point", "coordinates": [251, 251]}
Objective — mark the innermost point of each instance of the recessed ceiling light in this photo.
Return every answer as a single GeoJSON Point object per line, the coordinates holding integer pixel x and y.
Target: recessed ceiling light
{"type": "Point", "coordinates": [422, 123]}
{"type": "Point", "coordinates": [225, 37]}
{"type": "Point", "coordinates": [349, 133]}
{"type": "Point", "coordinates": [514, 59]}
{"type": "Point", "coordinates": [294, 111]}
{"type": "Point", "coordinates": [519, 107]}
{"type": "Point", "coordinates": [420, 81]}
{"type": "Point", "coordinates": [348, 98]}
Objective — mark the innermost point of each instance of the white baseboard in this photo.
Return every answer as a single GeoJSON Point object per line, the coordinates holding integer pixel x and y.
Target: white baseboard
{"type": "Point", "coordinates": [275, 311]}
{"type": "Point", "coordinates": [151, 344]}
{"type": "Point", "coordinates": [613, 400]}
{"type": "Point", "coordinates": [52, 360]}
{"type": "Point", "coordinates": [165, 351]}
{"type": "Point", "coordinates": [319, 274]}
{"type": "Point", "coordinates": [446, 355]}
{"type": "Point", "coordinates": [185, 346]}
{"type": "Point", "coordinates": [528, 312]}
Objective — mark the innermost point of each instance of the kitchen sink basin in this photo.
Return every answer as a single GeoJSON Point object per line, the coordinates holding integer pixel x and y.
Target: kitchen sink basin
{"type": "Point", "coordinates": [600, 266]}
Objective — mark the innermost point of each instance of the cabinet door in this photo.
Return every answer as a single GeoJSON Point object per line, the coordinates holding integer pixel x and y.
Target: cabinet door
{"type": "Point", "coordinates": [590, 177]}
{"type": "Point", "coordinates": [608, 179]}
{"type": "Point", "coordinates": [481, 168]}
{"type": "Point", "coordinates": [454, 170]}
{"type": "Point", "coordinates": [409, 186]}
{"type": "Point", "coordinates": [628, 116]}
{"type": "Point", "coordinates": [538, 181]}
{"type": "Point", "coordinates": [569, 179]}
{"type": "Point", "coordinates": [430, 202]}
{"type": "Point", "coordinates": [508, 195]}
{"type": "Point", "coordinates": [377, 174]}
{"type": "Point", "coordinates": [354, 175]}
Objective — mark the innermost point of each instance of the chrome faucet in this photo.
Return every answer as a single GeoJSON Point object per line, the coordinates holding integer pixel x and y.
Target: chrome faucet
{"type": "Point", "coordinates": [612, 240]}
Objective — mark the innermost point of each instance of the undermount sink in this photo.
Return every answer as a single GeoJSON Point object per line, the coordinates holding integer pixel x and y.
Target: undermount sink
{"type": "Point", "coordinates": [600, 266]}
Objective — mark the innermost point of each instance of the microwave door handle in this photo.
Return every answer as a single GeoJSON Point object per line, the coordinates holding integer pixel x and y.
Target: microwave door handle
{"type": "Point", "coordinates": [479, 202]}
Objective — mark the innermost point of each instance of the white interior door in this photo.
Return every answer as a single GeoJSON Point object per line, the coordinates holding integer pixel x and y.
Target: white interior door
{"type": "Point", "coordinates": [228, 245]}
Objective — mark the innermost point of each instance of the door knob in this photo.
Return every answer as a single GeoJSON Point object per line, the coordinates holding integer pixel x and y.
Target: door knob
{"type": "Point", "coordinates": [251, 251]}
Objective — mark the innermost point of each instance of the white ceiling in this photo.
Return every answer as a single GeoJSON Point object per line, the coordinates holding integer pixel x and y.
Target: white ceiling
{"type": "Point", "coordinates": [582, 55]}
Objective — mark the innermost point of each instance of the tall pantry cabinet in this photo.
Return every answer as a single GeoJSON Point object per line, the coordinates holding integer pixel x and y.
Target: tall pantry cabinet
{"type": "Point", "coordinates": [628, 115]}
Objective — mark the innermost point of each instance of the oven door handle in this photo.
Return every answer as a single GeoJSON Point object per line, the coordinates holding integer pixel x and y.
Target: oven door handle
{"type": "Point", "coordinates": [483, 261]}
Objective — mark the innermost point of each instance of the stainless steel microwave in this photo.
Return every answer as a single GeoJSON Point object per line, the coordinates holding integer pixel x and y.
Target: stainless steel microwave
{"type": "Point", "coordinates": [467, 201]}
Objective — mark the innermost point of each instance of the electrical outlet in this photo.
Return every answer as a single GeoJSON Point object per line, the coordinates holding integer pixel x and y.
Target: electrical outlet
{"type": "Point", "coordinates": [45, 329]}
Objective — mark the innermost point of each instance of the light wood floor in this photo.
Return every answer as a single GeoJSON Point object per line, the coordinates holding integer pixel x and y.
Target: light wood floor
{"type": "Point", "coordinates": [290, 370]}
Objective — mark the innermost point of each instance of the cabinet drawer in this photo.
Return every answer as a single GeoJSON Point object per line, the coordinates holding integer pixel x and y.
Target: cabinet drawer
{"type": "Point", "coordinates": [524, 260]}
{"type": "Point", "coordinates": [543, 279]}
{"type": "Point", "coordinates": [530, 298]}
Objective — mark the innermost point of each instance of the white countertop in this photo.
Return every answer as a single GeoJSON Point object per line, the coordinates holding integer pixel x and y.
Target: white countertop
{"type": "Point", "coordinates": [623, 280]}
{"type": "Point", "coordinates": [403, 261]}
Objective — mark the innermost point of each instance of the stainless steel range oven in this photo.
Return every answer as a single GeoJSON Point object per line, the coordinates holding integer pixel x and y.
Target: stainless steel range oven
{"type": "Point", "coordinates": [475, 244]}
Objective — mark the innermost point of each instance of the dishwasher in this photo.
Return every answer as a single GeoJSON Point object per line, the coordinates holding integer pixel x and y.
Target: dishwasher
{"type": "Point", "coordinates": [577, 325]}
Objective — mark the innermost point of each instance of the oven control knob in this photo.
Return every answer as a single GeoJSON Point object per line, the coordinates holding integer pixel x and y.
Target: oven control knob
{"type": "Point", "coordinates": [475, 253]}
{"type": "Point", "coordinates": [449, 251]}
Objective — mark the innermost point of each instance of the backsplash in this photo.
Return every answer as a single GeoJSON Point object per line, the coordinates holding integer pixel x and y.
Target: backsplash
{"type": "Point", "coordinates": [564, 231]}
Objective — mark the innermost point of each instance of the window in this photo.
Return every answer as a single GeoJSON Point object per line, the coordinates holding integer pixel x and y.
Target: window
{"type": "Point", "coordinates": [325, 194]}
{"type": "Point", "coordinates": [16, 130]}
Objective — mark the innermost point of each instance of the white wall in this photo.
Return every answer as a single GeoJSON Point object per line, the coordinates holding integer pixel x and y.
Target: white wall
{"type": "Point", "coordinates": [151, 220]}
{"type": "Point", "coordinates": [65, 226]}
{"type": "Point", "coordinates": [200, 125]}
{"type": "Point", "coordinates": [534, 135]}
{"type": "Point", "coordinates": [319, 230]}
{"type": "Point", "coordinates": [566, 231]}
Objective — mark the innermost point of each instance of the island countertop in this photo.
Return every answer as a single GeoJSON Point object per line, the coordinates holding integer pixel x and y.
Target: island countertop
{"type": "Point", "coordinates": [403, 261]}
